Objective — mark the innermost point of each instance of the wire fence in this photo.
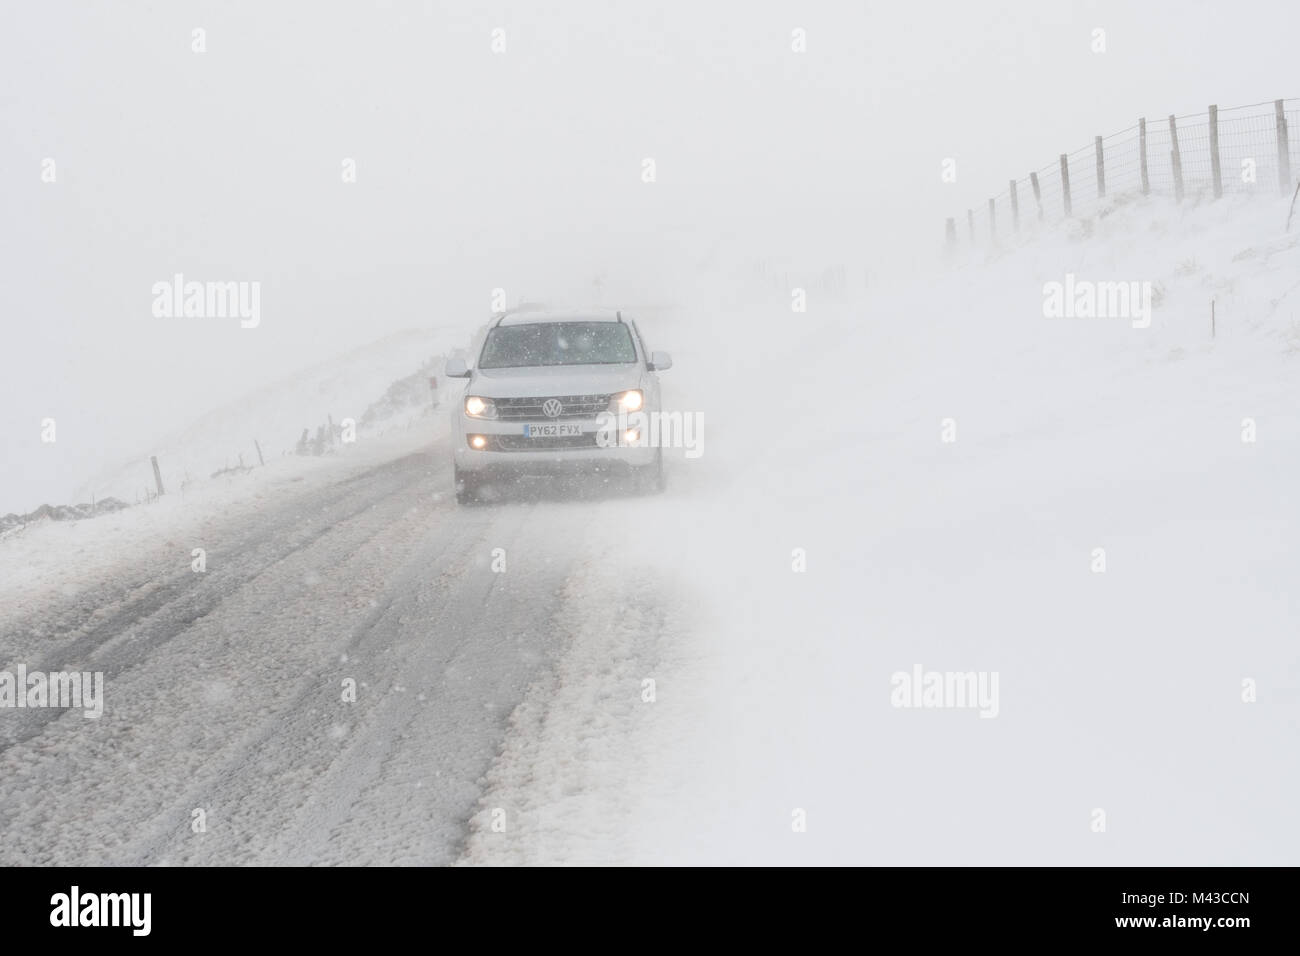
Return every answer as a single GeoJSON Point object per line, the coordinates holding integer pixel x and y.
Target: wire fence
{"type": "Point", "coordinates": [1252, 149]}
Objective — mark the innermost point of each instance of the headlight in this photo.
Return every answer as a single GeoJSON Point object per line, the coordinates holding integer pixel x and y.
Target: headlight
{"type": "Point", "coordinates": [629, 401]}
{"type": "Point", "coordinates": [477, 407]}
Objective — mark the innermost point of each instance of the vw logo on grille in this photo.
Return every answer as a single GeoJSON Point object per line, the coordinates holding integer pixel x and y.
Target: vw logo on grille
{"type": "Point", "coordinates": [552, 408]}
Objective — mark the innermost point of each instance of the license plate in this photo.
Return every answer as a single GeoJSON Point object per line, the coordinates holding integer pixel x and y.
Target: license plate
{"type": "Point", "coordinates": [552, 431]}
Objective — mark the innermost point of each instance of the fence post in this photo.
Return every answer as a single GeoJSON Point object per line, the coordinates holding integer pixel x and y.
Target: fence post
{"type": "Point", "coordinates": [1215, 171]}
{"type": "Point", "coordinates": [1038, 195]}
{"type": "Point", "coordinates": [1101, 170]}
{"type": "Point", "coordinates": [1176, 157]}
{"type": "Point", "coordinates": [970, 222]}
{"type": "Point", "coordinates": [993, 225]}
{"type": "Point", "coordinates": [157, 475]}
{"type": "Point", "coordinates": [952, 232]}
{"type": "Point", "coordinates": [1015, 207]}
{"type": "Point", "coordinates": [1065, 182]}
{"type": "Point", "coordinates": [1142, 155]}
{"type": "Point", "coordinates": [1283, 155]}
{"type": "Point", "coordinates": [260, 460]}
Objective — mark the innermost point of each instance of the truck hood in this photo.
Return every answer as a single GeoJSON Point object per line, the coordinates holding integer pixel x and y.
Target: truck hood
{"type": "Point", "coordinates": [555, 380]}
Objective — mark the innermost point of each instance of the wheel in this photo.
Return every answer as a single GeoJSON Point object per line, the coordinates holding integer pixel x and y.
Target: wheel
{"type": "Point", "coordinates": [650, 479]}
{"type": "Point", "coordinates": [467, 485]}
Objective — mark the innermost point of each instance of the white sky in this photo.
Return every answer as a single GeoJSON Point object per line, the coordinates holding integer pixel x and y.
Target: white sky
{"type": "Point", "coordinates": [520, 170]}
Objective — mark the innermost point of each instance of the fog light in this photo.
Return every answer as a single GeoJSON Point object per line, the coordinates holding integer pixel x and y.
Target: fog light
{"type": "Point", "coordinates": [478, 441]}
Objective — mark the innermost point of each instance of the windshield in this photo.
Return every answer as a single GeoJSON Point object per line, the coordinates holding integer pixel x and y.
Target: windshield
{"type": "Point", "coordinates": [558, 343]}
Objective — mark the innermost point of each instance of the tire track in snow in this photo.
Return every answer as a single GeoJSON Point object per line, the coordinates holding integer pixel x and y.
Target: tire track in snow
{"type": "Point", "coordinates": [237, 710]}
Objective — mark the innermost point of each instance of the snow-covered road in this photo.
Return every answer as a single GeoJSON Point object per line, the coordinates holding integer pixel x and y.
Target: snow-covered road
{"type": "Point", "coordinates": [1095, 519]}
{"type": "Point", "coordinates": [226, 689]}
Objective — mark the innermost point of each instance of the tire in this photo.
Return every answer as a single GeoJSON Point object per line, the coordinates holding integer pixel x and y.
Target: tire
{"type": "Point", "coordinates": [467, 487]}
{"type": "Point", "coordinates": [650, 479]}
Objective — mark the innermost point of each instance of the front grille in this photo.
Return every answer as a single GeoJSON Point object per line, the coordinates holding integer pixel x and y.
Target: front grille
{"type": "Point", "coordinates": [522, 443]}
{"type": "Point", "coordinates": [530, 409]}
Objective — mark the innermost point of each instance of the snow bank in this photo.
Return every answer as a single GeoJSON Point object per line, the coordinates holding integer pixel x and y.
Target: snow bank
{"type": "Point", "coordinates": [275, 416]}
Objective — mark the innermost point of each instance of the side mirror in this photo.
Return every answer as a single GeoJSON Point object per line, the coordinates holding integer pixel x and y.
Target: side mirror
{"type": "Point", "coordinates": [455, 368]}
{"type": "Point", "coordinates": [660, 361]}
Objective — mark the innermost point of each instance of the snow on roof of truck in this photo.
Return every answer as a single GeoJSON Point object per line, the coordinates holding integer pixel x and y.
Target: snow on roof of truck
{"type": "Point", "coordinates": [537, 317]}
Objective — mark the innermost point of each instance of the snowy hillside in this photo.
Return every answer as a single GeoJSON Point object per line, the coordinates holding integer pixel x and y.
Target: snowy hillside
{"type": "Point", "coordinates": [383, 386]}
{"type": "Point", "coordinates": [344, 387]}
{"type": "Point", "coordinates": [1099, 514]}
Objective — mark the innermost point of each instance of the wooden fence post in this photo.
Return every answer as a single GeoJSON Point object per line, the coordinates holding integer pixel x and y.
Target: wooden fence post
{"type": "Point", "coordinates": [1283, 154]}
{"type": "Point", "coordinates": [1065, 182]}
{"type": "Point", "coordinates": [1215, 171]}
{"type": "Point", "coordinates": [1038, 195]}
{"type": "Point", "coordinates": [1142, 155]}
{"type": "Point", "coordinates": [1015, 207]}
{"type": "Point", "coordinates": [1101, 170]}
{"type": "Point", "coordinates": [1176, 158]}
{"type": "Point", "coordinates": [157, 474]}
{"type": "Point", "coordinates": [993, 224]}
{"type": "Point", "coordinates": [952, 232]}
